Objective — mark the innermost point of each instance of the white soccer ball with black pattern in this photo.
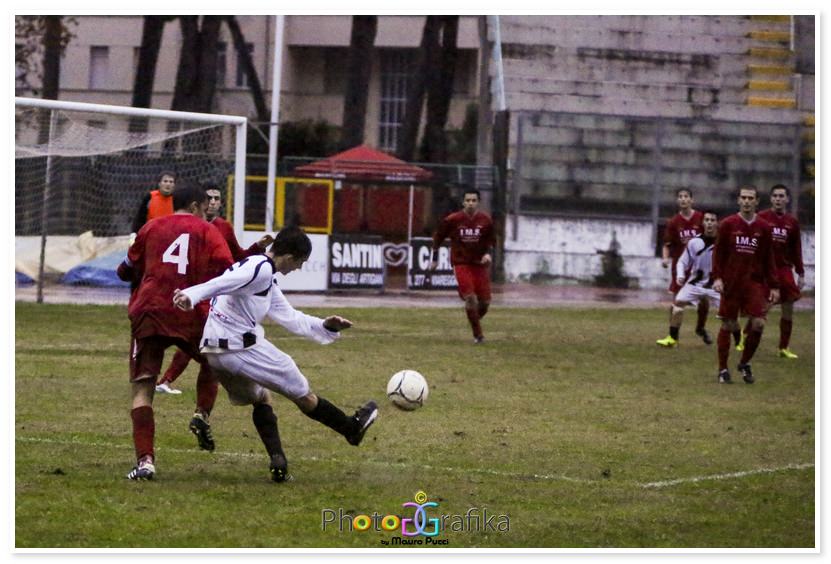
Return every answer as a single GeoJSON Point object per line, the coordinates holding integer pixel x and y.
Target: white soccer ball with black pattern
{"type": "Point", "coordinates": [407, 390]}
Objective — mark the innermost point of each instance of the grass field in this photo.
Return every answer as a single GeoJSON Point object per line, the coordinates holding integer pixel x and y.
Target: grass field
{"type": "Point", "coordinates": [572, 423]}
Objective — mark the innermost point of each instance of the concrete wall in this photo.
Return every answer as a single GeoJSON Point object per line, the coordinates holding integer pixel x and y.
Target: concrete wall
{"type": "Point", "coordinates": [565, 251]}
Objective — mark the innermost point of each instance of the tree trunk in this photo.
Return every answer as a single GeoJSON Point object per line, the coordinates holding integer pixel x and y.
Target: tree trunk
{"type": "Point", "coordinates": [151, 44]}
{"type": "Point", "coordinates": [429, 49]}
{"type": "Point", "coordinates": [254, 85]}
{"type": "Point", "coordinates": [439, 94]}
{"type": "Point", "coordinates": [187, 72]}
{"type": "Point", "coordinates": [359, 69]}
{"type": "Point", "coordinates": [52, 57]}
{"type": "Point", "coordinates": [206, 82]}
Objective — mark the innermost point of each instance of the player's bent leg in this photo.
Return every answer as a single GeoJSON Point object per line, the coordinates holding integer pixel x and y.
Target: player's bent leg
{"type": "Point", "coordinates": [178, 365]}
{"type": "Point", "coordinates": [675, 319]}
{"type": "Point", "coordinates": [472, 312]}
{"type": "Point", "coordinates": [352, 428]}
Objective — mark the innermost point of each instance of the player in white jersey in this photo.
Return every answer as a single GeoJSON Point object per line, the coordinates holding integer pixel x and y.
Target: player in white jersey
{"type": "Point", "coordinates": [693, 275]}
{"type": "Point", "coordinates": [247, 364]}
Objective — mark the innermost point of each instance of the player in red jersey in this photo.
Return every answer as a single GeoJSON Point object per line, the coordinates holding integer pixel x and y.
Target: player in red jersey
{"type": "Point", "coordinates": [471, 240]}
{"type": "Point", "coordinates": [181, 359]}
{"type": "Point", "coordinates": [171, 252]}
{"type": "Point", "coordinates": [680, 229]}
{"type": "Point", "coordinates": [787, 253]}
{"type": "Point", "coordinates": [744, 273]}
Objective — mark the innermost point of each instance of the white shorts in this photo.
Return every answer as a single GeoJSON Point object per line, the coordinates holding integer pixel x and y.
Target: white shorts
{"type": "Point", "coordinates": [246, 374]}
{"type": "Point", "coordinates": [693, 294]}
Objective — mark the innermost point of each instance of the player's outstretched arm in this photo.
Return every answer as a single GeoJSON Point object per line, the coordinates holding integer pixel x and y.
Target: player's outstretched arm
{"type": "Point", "coordinates": [181, 300]}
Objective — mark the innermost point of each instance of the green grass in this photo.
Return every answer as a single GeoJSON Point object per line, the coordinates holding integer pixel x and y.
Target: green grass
{"type": "Point", "coordinates": [558, 421]}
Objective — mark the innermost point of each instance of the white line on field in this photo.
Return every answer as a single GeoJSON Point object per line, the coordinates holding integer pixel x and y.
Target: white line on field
{"type": "Point", "coordinates": [519, 475]}
{"type": "Point", "coordinates": [694, 479]}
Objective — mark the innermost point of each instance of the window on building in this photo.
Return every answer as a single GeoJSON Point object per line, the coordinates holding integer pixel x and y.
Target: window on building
{"type": "Point", "coordinates": [464, 72]}
{"type": "Point", "coordinates": [221, 63]}
{"type": "Point", "coordinates": [395, 72]}
{"type": "Point", "coordinates": [99, 67]}
{"type": "Point", "coordinates": [242, 79]}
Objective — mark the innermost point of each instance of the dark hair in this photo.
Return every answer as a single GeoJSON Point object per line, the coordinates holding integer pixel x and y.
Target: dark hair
{"type": "Point", "coordinates": [780, 187]}
{"type": "Point", "coordinates": [211, 186]}
{"type": "Point", "coordinates": [747, 187]}
{"type": "Point", "coordinates": [292, 240]}
{"type": "Point", "coordinates": [185, 195]}
{"type": "Point", "coordinates": [472, 191]}
{"type": "Point", "coordinates": [687, 190]}
{"type": "Point", "coordinates": [164, 173]}
{"type": "Point", "coordinates": [709, 211]}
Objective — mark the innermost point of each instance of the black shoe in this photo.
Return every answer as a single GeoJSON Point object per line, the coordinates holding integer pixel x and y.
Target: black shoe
{"type": "Point", "coordinates": [200, 427]}
{"type": "Point", "coordinates": [747, 374]}
{"type": "Point", "coordinates": [364, 417]}
{"type": "Point", "coordinates": [479, 340]}
{"type": "Point", "coordinates": [705, 336]}
{"type": "Point", "coordinates": [279, 468]}
{"type": "Point", "coordinates": [724, 377]}
{"type": "Point", "coordinates": [143, 470]}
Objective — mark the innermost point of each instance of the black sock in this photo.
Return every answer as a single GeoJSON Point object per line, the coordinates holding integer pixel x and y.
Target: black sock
{"type": "Point", "coordinates": [333, 417]}
{"type": "Point", "coordinates": [737, 335]}
{"type": "Point", "coordinates": [673, 332]}
{"type": "Point", "coordinates": [266, 423]}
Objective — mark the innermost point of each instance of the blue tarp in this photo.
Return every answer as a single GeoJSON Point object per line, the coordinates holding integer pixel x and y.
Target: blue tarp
{"type": "Point", "coordinates": [21, 279]}
{"type": "Point", "coordinates": [99, 271]}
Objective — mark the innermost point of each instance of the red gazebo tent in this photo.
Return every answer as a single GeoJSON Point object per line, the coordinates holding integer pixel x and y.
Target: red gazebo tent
{"type": "Point", "coordinates": [371, 198]}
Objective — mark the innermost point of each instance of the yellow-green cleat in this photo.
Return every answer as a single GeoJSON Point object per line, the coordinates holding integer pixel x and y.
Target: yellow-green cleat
{"type": "Point", "coordinates": [740, 344]}
{"type": "Point", "coordinates": [667, 342]}
{"type": "Point", "coordinates": [785, 353]}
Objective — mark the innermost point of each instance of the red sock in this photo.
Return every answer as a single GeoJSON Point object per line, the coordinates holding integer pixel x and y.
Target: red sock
{"type": "Point", "coordinates": [703, 310]}
{"type": "Point", "coordinates": [177, 366]}
{"type": "Point", "coordinates": [723, 343]}
{"type": "Point", "coordinates": [785, 327]}
{"type": "Point", "coordinates": [144, 427]}
{"type": "Point", "coordinates": [473, 318]}
{"type": "Point", "coordinates": [483, 309]}
{"type": "Point", "coordinates": [207, 387]}
{"type": "Point", "coordinates": [750, 346]}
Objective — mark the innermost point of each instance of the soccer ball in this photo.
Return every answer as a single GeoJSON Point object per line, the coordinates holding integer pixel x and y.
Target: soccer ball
{"type": "Point", "coordinates": [407, 390]}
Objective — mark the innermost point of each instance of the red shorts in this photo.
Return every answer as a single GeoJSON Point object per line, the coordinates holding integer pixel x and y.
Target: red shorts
{"type": "Point", "coordinates": [750, 299]}
{"type": "Point", "coordinates": [788, 290]}
{"type": "Point", "coordinates": [474, 279]}
{"type": "Point", "coordinates": [147, 355]}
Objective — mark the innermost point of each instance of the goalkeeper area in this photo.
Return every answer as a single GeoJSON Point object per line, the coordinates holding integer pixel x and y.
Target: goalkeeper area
{"type": "Point", "coordinates": [81, 171]}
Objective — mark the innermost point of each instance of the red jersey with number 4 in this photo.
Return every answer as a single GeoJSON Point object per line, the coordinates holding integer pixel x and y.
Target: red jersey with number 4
{"type": "Point", "coordinates": [176, 251]}
{"type": "Point", "coordinates": [787, 240]}
{"type": "Point", "coordinates": [471, 236]}
{"type": "Point", "coordinates": [743, 253]}
{"type": "Point", "coordinates": [227, 232]}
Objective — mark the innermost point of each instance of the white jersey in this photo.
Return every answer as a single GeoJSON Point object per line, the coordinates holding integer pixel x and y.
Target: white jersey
{"type": "Point", "coordinates": [695, 265]}
{"type": "Point", "coordinates": [243, 296]}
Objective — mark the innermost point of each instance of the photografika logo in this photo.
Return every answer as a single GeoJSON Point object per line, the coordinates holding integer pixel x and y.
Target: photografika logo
{"type": "Point", "coordinates": [419, 523]}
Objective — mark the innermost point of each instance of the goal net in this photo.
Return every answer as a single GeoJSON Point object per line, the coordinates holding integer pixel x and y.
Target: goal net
{"type": "Point", "coordinates": [82, 170]}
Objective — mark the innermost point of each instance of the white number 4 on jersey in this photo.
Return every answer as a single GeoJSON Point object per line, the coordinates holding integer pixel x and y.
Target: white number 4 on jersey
{"type": "Point", "coordinates": [177, 253]}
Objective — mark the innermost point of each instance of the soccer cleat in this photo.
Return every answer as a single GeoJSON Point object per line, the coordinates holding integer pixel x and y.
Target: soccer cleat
{"type": "Point", "coordinates": [785, 353]}
{"type": "Point", "coordinates": [279, 468]}
{"type": "Point", "coordinates": [705, 336]}
{"type": "Point", "coordinates": [740, 344]}
{"type": "Point", "coordinates": [747, 374]}
{"type": "Point", "coordinates": [144, 470]}
{"type": "Point", "coordinates": [724, 377]}
{"type": "Point", "coordinates": [667, 342]}
{"type": "Point", "coordinates": [479, 340]}
{"type": "Point", "coordinates": [200, 427]}
{"type": "Point", "coordinates": [365, 417]}
{"type": "Point", "coordinates": [165, 389]}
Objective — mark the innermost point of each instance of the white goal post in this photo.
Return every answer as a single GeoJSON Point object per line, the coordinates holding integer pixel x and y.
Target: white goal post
{"type": "Point", "coordinates": [81, 169]}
